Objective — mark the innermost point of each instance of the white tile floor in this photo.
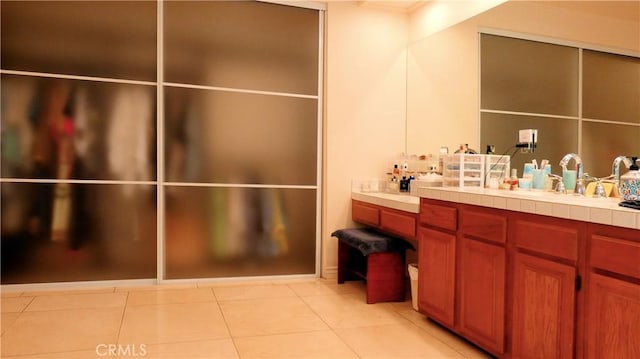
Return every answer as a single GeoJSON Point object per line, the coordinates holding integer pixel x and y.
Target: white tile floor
{"type": "Point", "coordinates": [285, 319]}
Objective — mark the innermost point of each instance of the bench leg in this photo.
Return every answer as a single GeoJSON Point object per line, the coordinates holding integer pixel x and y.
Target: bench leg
{"type": "Point", "coordinates": [352, 265]}
{"type": "Point", "coordinates": [385, 277]}
{"type": "Point", "coordinates": [343, 262]}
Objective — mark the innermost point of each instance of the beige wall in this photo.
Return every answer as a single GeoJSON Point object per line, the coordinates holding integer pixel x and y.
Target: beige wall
{"type": "Point", "coordinates": [365, 64]}
{"type": "Point", "coordinates": [443, 68]}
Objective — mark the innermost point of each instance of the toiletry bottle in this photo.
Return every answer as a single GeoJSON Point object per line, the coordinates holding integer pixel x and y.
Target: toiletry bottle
{"type": "Point", "coordinates": [629, 186]}
{"type": "Point", "coordinates": [404, 184]}
{"type": "Point", "coordinates": [393, 185]}
{"type": "Point", "coordinates": [396, 170]}
{"type": "Point", "coordinates": [513, 181]}
{"type": "Point", "coordinates": [441, 154]}
{"type": "Point", "coordinates": [491, 149]}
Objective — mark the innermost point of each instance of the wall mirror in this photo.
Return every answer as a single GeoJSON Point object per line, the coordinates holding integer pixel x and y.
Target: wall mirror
{"type": "Point", "coordinates": [569, 69]}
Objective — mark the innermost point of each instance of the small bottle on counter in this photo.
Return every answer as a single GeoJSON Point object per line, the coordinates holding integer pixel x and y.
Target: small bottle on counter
{"type": "Point", "coordinates": [393, 185]}
{"type": "Point", "coordinates": [404, 184]}
{"type": "Point", "coordinates": [513, 180]}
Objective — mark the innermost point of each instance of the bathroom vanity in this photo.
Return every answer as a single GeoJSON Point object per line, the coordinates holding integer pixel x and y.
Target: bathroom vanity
{"type": "Point", "coordinates": [524, 273]}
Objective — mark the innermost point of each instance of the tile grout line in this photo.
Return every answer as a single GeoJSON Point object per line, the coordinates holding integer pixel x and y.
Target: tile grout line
{"type": "Point", "coordinates": [224, 319]}
{"type": "Point", "coordinates": [124, 311]}
{"type": "Point", "coordinates": [327, 324]}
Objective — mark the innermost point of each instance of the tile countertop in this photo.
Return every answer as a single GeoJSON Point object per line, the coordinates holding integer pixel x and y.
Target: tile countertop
{"type": "Point", "coordinates": [587, 209]}
{"type": "Point", "coordinates": [402, 202]}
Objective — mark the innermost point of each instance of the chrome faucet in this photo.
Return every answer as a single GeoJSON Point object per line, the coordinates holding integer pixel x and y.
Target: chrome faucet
{"type": "Point", "coordinates": [559, 188]}
{"type": "Point", "coordinates": [615, 168]}
{"type": "Point", "coordinates": [579, 189]}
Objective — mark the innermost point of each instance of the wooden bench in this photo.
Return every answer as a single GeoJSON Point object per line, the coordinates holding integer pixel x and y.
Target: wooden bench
{"type": "Point", "coordinates": [379, 259]}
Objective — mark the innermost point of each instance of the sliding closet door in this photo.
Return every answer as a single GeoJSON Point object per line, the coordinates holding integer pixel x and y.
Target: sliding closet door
{"type": "Point", "coordinates": [78, 187]}
{"type": "Point", "coordinates": [241, 139]}
{"type": "Point", "coordinates": [168, 140]}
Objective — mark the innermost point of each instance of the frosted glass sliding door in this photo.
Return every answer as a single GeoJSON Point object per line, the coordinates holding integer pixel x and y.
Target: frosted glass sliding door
{"type": "Point", "coordinates": [112, 39]}
{"type": "Point", "coordinates": [78, 170]}
{"type": "Point", "coordinates": [78, 141]}
{"type": "Point", "coordinates": [242, 44]}
{"type": "Point", "coordinates": [234, 232]}
{"type": "Point", "coordinates": [229, 137]}
{"type": "Point", "coordinates": [158, 140]}
{"type": "Point", "coordinates": [62, 232]}
{"type": "Point", "coordinates": [98, 130]}
{"type": "Point", "coordinates": [241, 139]}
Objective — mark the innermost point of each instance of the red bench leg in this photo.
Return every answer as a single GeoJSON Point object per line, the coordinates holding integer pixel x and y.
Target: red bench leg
{"type": "Point", "coordinates": [385, 277]}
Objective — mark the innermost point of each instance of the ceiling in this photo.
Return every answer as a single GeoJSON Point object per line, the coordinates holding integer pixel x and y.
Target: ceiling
{"type": "Point", "coordinates": [626, 10]}
{"type": "Point", "coordinates": [397, 5]}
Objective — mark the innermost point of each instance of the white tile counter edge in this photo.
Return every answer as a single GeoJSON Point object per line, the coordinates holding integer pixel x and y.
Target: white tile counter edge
{"type": "Point", "coordinates": [402, 202]}
{"type": "Point", "coordinates": [595, 210]}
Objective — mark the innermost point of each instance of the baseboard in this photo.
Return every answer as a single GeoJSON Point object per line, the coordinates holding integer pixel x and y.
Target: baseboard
{"type": "Point", "coordinates": [330, 272]}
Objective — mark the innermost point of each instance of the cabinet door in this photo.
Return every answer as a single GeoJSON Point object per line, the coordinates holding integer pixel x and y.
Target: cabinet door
{"type": "Point", "coordinates": [613, 318]}
{"type": "Point", "coordinates": [482, 291]}
{"type": "Point", "coordinates": [436, 275]}
{"type": "Point", "coordinates": [543, 308]}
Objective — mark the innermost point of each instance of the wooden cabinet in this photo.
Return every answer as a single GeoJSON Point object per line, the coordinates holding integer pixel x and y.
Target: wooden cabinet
{"type": "Point", "coordinates": [482, 293]}
{"type": "Point", "coordinates": [436, 275]}
{"type": "Point", "coordinates": [543, 308]}
{"type": "Point", "coordinates": [612, 293]}
{"type": "Point", "coordinates": [545, 266]}
{"type": "Point", "coordinates": [529, 286]}
{"type": "Point", "coordinates": [613, 318]}
{"type": "Point", "coordinates": [400, 223]}
{"type": "Point", "coordinates": [461, 273]}
{"type": "Point", "coordinates": [396, 222]}
{"type": "Point", "coordinates": [439, 216]}
{"type": "Point", "coordinates": [481, 276]}
{"type": "Point", "coordinates": [365, 213]}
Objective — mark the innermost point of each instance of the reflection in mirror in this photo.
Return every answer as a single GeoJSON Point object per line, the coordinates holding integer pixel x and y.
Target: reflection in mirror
{"type": "Point", "coordinates": [528, 76]}
{"type": "Point", "coordinates": [557, 137]}
{"type": "Point", "coordinates": [611, 87]}
{"type": "Point", "coordinates": [443, 73]}
{"type": "Point", "coordinates": [550, 88]}
{"type": "Point", "coordinates": [603, 142]}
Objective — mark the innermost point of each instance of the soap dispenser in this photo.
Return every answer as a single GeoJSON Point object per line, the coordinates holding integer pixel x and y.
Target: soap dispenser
{"type": "Point", "coordinates": [629, 186]}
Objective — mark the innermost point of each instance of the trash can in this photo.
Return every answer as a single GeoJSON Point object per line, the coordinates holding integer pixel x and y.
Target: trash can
{"type": "Point", "coordinates": [413, 276]}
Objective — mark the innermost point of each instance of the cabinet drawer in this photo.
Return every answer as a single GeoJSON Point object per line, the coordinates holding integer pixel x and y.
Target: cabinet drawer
{"type": "Point", "coordinates": [615, 255]}
{"type": "Point", "coordinates": [547, 238]}
{"type": "Point", "coordinates": [365, 213]}
{"type": "Point", "coordinates": [398, 223]}
{"type": "Point", "coordinates": [439, 216]}
{"type": "Point", "coordinates": [488, 226]}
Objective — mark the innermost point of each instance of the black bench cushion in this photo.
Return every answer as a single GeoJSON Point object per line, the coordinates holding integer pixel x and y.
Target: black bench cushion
{"type": "Point", "coordinates": [368, 240]}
